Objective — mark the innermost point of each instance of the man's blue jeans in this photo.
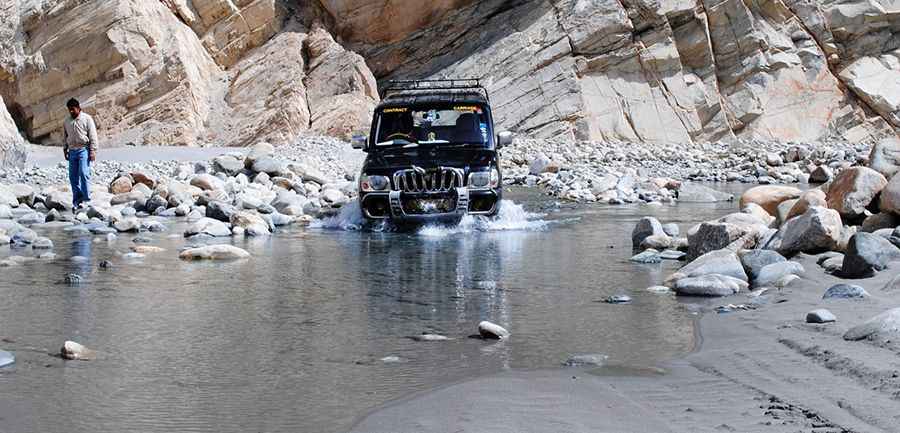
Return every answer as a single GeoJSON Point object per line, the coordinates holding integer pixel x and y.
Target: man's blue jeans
{"type": "Point", "coordinates": [79, 175]}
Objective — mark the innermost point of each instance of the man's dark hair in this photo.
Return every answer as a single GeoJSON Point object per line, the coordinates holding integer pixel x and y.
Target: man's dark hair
{"type": "Point", "coordinates": [73, 103]}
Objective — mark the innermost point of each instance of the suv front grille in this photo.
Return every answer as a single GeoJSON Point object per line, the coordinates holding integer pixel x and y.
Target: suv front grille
{"type": "Point", "coordinates": [420, 180]}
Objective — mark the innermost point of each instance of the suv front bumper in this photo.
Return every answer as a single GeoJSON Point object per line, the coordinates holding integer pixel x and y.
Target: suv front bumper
{"type": "Point", "coordinates": [429, 207]}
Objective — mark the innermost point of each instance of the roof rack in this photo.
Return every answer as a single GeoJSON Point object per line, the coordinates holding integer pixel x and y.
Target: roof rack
{"type": "Point", "coordinates": [395, 86]}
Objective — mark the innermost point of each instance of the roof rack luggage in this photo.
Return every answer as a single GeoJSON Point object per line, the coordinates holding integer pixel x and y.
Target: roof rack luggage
{"type": "Point", "coordinates": [396, 86]}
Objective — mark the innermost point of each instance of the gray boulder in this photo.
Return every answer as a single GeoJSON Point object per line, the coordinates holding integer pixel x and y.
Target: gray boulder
{"type": "Point", "coordinates": [129, 224]}
{"type": "Point", "coordinates": [755, 260]}
{"type": "Point", "coordinates": [671, 229]}
{"type": "Point", "coordinates": [42, 243]}
{"type": "Point", "coordinates": [722, 262]}
{"type": "Point", "coordinates": [879, 221]}
{"type": "Point", "coordinates": [885, 326]}
{"type": "Point", "coordinates": [709, 285]}
{"type": "Point", "coordinates": [220, 211]}
{"type": "Point", "coordinates": [866, 254]}
{"type": "Point", "coordinates": [845, 291]}
{"type": "Point", "coordinates": [493, 331]}
{"type": "Point", "coordinates": [269, 166]}
{"type": "Point", "coordinates": [820, 316]}
{"type": "Point", "coordinates": [818, 230]}
{"type": "Point", "coordinates": [711, 236]}
{"type": "Point", "coordinates": [821, 174]}
{"type": "Point", "coordinates": [885, 157]}
{"type": "Point", "coordinates": [890, 197]}
{"type": "Point", "coordinates": [646, 227]}
{"type": "Point", "coordinates": [227, 164]}
{"type": "Point", "coordinates": [209, 227]}
{"type": "Point", "coordinates": [647, 256]}
{"type": "Point", "coordinates": [773, 275]}
{"type": "Point", "coordinates": [59, 200]}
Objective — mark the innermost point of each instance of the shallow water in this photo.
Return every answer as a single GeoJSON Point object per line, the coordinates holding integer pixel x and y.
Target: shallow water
{"type": "Point", "coordinates": [311, 333]}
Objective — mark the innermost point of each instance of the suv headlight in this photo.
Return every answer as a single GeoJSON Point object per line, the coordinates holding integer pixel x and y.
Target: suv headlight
{"type": "Point", "coordinates": [484, 179]}
{"type": "Point", "coordinates": [373, 183]}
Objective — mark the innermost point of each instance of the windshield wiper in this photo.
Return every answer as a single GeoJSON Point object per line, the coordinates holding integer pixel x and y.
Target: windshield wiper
{"type": "Point", "coordinates": [432, 142]}
{"type": "Point", "coordinates": [393, 142]}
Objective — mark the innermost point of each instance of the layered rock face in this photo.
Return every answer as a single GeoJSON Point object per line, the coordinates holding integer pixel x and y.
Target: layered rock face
{"type": "Point", "coordinates": [174, 72]}
{"type": "Point", "coordinates": [654, 70]}
{"type": "Point", "coordinates": [12, 146]}
{"type": "Point", "coordinates": [235, 72]}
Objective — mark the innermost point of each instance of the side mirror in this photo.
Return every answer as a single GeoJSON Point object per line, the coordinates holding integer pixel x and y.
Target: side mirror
{"type": "Point", "coordinates": [359, 141]}
{"type": "Point", "coordinates": [505, 138]}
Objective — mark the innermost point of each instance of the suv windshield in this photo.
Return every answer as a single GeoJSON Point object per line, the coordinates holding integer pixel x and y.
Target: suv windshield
{"type": "Point", "coordinates": [458, 124]}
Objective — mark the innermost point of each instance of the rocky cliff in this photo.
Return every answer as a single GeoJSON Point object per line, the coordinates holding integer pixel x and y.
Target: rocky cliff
{"type": "Point", "coordinates": [179, 72]}
{"type": "Point", "coordinates": [12, 146]}
{"type": "Point", "coordinates": [234, 72]}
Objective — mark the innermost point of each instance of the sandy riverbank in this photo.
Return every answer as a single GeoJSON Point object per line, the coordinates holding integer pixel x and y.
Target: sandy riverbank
{"type": "Point", "coordinates": [762, 370]}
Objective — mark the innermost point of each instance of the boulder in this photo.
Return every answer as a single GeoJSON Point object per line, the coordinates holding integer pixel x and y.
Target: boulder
{"type": "Point", "coordinates": [258, 151]}
{"type": "Point", "coordinates": [121, 184]}
{"type": "Point", "coordinates": [755, 260]}
{"type": "Point", "coordinates": [885, 157]}
{"type": "Point", "coordinates": [866, 254]}
{"type": "Point", "coordinates": [656, 242]}
{"type": "Point", "coordinates": [540, 164]}
{"type": "Point", "coordinates": [23, 193]}
{"type": "Point", "coordinates": [890, 197]}
{"type": "Point", "coordinates": [209, 227]}
{"type": "Point", "coordinates": [227, 164]}
{"type": "Point", "coordinates": [813, 197]}
{"type": "Point", "coordinates": [253, 224]}
{"type": "Point", "coordinates": [845, 291]}
{"type": "Point", "coordinates": [207, 182]}
{"type": "Point", "coordinates": [59, 200]}
{"type": "Point", "coordinates": [759, 213]}
{"type": "Point", "coordinates": [709, 285]}
{"type": "Point", "coordinates": [130, 224]}
{"type": "Point", "coordinates": [6, 212]}
{"type": "Point", "coordinates": [127, 197]}
{"type": "Point", "coordinates": [832, 264]}
{"type": "Point", "coordinates": [646, 227]}
{"type": "Point", "coordinates": [821, 174]}
{"type": "Point", "coordinates": [141, 178]}
{"type": "Point", "coordinates": [820, 316]}
{"type": "Point", "coordinates": [773, 275]}
{"type": "Point", "coordinates": [671, 229]}
{"type": "Point", "coordinates": [818, 230]}
{"type": "Point", "coordinates": [647, 257]}
{"type": "Point", "coordinates": [723, 262]}
{"type": "Point", "coordinates": [492, 331]}
{"type": "Point", "coordinates": [853, 190]}
{"type": "Point", "coordinates": [268, 165]}
{"type": "Point", "coordinates": [783, 210]}
{"type": "Point", "coordinates": [220, 210]}
{"type": "Point", "coordinates": [880, 221]}
{"type": "Point", "coordinates": [75, 351]}
{"type": "Point", "coordinates": [214, 252]}
{"type": "Point", "coordinates": [885, 326]}
{"type": "Point", "coordinates": [693, 193]}
{"type": "Point", "coordinates": [711, 236]}
{"type": "Point", "coordinates": [769, 196]}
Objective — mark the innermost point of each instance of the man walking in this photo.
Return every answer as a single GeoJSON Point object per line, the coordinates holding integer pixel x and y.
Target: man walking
{"type": "Point", "coordinates": [80, 149]}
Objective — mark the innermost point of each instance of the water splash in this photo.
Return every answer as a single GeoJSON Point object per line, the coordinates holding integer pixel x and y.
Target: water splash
{"type": "Point", "coordinates": [510, 217]}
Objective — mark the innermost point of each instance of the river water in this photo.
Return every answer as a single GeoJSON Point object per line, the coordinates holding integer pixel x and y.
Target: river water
{"type": "Point", "coordinates": [312, 332]}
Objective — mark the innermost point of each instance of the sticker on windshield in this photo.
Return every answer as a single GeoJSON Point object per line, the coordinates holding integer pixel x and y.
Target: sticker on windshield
{"type": "Point", "coordinates": [396, 110]}
{"type": "Point", "coordinates": [467, 108]}
{"type": "Point", "coordinates": [484, 134]}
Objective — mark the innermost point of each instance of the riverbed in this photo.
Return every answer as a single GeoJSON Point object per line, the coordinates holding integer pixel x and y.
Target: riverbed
{"type": "Point", "coordinates": [314, 330]}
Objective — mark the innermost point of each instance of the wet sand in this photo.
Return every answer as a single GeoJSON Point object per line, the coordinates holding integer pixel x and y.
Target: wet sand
{"type": "Point", "coordinates": [762, 370]}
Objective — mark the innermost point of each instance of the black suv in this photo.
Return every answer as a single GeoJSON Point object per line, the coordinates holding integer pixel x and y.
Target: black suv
{"type": "Point", "coordinates": [432, 153]}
